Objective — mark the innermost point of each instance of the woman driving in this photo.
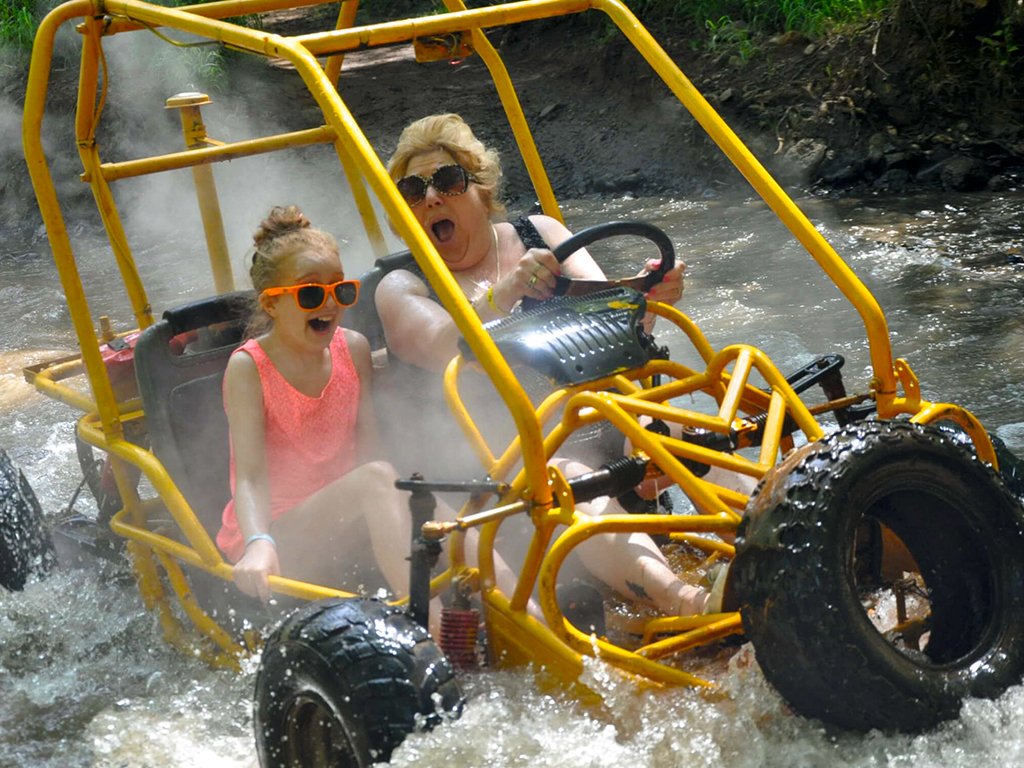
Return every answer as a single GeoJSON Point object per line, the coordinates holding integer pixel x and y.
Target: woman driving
{"type": "Point", "coordinates": [450, 178]}
{"type": "Point", "coordinates": [450, 181]}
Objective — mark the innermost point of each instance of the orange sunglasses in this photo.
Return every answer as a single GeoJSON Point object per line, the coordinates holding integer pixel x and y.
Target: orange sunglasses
{"type": "Point", "coordinates": [312, 296]}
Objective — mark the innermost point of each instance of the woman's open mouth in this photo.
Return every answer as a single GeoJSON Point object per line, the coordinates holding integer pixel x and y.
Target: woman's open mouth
{"type": "Point", "coordinates": [443, 230]}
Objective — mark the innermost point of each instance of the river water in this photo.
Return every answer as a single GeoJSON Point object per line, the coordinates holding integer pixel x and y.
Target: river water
{"type": "Point", "coordinates": [86, 680]}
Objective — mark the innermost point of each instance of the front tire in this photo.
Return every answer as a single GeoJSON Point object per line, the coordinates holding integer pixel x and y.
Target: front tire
{"type": "Point", "coordinates": [343, 682]}
{"type": "Point", "coordinates": [821, 533]}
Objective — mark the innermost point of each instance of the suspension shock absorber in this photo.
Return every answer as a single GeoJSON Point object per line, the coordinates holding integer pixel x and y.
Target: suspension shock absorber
{"type": "Point", "coordinates": [460, 624]}
{"type": "Point", "coordinates": [425, 552]}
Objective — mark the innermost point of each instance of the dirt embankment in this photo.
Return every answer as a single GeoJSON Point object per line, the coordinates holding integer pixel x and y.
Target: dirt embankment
{"type": "Point", "coordinates": [888, 108]}
{"type": "Point", "coordinates": [900, 104]}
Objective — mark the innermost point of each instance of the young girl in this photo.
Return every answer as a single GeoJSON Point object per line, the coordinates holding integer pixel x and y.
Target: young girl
{"type": "Point", "coordinates": [309, 492]}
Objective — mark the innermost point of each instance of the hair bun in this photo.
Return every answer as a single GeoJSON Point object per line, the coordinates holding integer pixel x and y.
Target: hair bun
{"type": "Point", "coordinates": [280, 221]}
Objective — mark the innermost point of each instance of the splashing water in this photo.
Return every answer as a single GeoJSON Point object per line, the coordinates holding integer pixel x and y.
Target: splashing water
{"type": "Point", "coordinates": [86, 679]}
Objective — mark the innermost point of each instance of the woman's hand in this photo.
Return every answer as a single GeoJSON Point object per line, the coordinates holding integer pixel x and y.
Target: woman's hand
{"type": "Point", "coordinates": [533, 277]}
{"type": "Point", "coordinates": [251, 572]}
{"type": "Point", "coordinates": [670, 289]}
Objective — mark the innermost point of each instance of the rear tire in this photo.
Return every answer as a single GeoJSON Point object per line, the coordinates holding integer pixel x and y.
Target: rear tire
{"type": "Point", "coordinates": [801, 574]}
{"type": "Point", "coordinates": [98, 479]}
{"type": "Point", "coordinates": [343, 682]}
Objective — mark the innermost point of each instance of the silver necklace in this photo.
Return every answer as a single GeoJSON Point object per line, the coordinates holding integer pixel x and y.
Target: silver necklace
{"type": "Point", "coordinates": [497, 255]}
{"type": "Point", "coordinates": [481, 285]}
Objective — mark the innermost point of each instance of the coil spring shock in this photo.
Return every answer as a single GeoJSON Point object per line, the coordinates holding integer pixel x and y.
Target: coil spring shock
{"type": "Point", "coordinates": [459, 627]}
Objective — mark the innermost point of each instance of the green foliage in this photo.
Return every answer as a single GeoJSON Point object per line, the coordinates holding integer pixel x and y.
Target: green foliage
{"type": "Point", "coordinates": [204, 65]}
{"type": "Point", "coordinates": [207, 68]}
{"type": "Point", "coordinates": [697, 18]}
{"type": "Point", "coordinates": [999, 50]}
{"type": "Point", "coordinates": [808, 16]}
{"type": "Point", "coordinates": [17, 24]}
{"type": "Point", "coordinates": [816, 16]}
{"type": "Point", "coordinates": [729, 36]}
{"type": "Point", "coordinates": [730, 26]}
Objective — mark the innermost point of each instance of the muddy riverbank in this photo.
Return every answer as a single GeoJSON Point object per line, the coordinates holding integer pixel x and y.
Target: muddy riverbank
{"type": "Point", "coordinates": [887, 107]}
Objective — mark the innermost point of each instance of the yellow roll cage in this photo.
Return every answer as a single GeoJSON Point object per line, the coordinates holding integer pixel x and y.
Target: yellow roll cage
{"type": "Point", "coordinates": [535, 489]}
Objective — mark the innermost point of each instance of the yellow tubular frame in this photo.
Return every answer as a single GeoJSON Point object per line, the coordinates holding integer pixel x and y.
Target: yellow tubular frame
{"type": "Point", "coordinates": [541, 493]}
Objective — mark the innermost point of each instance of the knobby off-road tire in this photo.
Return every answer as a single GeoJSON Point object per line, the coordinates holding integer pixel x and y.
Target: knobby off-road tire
{"type": "Point", "coordinates": [26, 550]}
{"type": "Point", "coordinates": [800, 588]}
{"type": "Point", "coordinates": [343, 682]}
{"type": "Point", "coordinates": [1011, 468]}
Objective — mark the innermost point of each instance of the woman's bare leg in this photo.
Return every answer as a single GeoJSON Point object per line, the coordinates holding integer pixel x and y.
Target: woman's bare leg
{"type": "Point", "coordinates": [505, 578]}
{"type": "Point", "coordinates": [651, 488]}
{"type": "Point", "coordinates": [632, 564]}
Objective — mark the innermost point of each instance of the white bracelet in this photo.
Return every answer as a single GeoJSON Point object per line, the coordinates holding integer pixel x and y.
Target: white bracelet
{"type": "Point", "coordinates": [260, 537]}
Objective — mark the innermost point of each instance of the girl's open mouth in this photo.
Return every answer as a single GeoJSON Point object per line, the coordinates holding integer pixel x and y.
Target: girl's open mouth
{"type": "Point", "coordinates": [319, 324]}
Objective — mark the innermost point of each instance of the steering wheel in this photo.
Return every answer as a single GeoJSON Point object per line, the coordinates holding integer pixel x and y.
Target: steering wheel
{"type": "Point", "coordinates": [570, 286]}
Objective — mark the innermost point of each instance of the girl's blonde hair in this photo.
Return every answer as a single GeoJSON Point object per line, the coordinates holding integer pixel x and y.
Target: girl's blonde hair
{"type": "Point", "coordinates": [449, 132]}
{"type": "Point", "coordinates": [283, 234]}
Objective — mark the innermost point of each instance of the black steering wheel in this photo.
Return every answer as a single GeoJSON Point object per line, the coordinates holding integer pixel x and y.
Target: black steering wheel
{"type": "Point", "coordinates": [570, 286]}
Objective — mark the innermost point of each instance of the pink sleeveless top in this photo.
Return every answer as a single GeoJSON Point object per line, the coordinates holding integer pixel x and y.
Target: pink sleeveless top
{"type": "Point", "coordinates": [310, 441]}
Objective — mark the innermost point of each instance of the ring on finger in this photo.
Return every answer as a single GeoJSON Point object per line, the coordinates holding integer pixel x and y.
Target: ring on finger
{"type": "Point", "coordinates": [532, 281]}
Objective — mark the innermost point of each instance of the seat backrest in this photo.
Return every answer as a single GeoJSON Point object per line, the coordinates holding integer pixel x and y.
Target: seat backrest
{"type": "Point", "coordinates": [363, 316]}
{"type": "Point", "coordinates": [179, 365]}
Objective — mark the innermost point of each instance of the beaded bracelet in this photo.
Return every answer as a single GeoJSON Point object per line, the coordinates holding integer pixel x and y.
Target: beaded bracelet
{"type": "Point", "coordinates": [260, 537]}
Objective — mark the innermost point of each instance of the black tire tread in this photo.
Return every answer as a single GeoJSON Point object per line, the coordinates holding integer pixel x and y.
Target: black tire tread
{"type": "Point", "coordinates": [26, 549]}
{"type": "Point", "coordinates": [390, 680]}
{"type": "Point", "coordinates": [803, 638]}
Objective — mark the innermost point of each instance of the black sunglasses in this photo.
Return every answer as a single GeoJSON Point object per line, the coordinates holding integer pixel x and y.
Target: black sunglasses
{"type": "Point", "coordinates": [447, 180]}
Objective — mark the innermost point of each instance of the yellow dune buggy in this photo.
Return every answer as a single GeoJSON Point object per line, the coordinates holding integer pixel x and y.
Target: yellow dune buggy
{"type": "Point", "coordinates": [865, 497]}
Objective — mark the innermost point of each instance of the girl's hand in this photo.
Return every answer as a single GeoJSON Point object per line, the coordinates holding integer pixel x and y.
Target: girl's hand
{"type": "Point", "coordinates": [251, 572]}
{"type": "Point", "coordinates": [533, 277]}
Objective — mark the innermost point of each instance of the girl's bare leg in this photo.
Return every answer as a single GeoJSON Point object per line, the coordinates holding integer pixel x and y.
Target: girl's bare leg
{"type": "Point", "coordinates": [320, 538]}
{"type": "Point", "coordinates": [326, 532]}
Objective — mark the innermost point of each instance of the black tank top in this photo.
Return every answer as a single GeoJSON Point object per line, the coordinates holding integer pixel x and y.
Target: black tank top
{"type": "Point", "coordinates": [423, 395]}
{"type": "Point", "coordinates": [528, 233]}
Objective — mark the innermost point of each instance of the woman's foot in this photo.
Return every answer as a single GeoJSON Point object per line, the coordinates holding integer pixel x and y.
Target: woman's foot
{"type": "Point", "coordinates": [717, 575]}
